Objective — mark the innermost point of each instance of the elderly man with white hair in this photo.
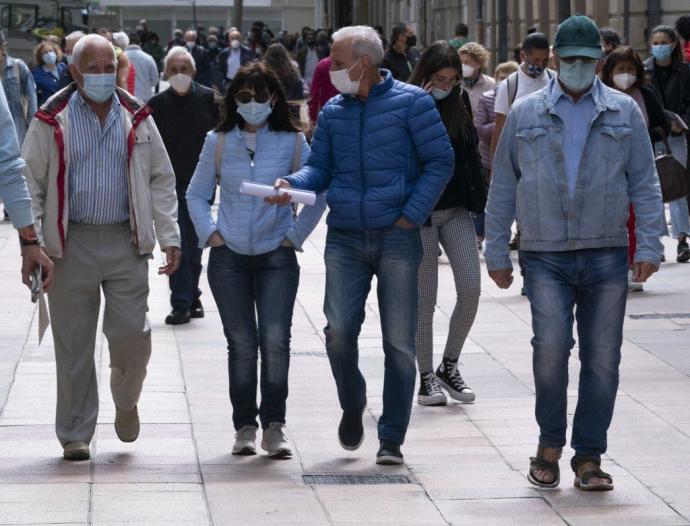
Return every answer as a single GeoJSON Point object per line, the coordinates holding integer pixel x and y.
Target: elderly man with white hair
{"type": "Point", "coordinates": [99, 179]}
{"type": "Point", "coordinates": [382, 152]}
{"type": "Point", "coordinates": [184, 114]}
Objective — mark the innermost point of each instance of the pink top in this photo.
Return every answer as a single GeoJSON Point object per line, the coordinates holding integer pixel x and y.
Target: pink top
{"type": "Point", "coordinates": [321, 88]}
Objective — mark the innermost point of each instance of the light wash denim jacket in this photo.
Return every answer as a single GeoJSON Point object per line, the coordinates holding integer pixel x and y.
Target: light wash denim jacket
{"type": "Point", "coordinates": [18, 81]}
{"type": "Point", "coordinates": [13, 189]}
{"type": "Point", "coordinates": [529, 181]}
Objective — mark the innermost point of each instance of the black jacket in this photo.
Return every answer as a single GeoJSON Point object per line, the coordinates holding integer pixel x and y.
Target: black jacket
{"type": "Point", "coordinates": [675, 94]}
{"type": "Point", "coordinates": [400, 65]}
{"type": "Point", "coordinates": [321, 53]}
{"type": "Point", "coordinates": [246, 55]}
{"type": "Point", "coordinates": [183, 122]}
{"type": "Point", "coordinates": [659, 127]}
{"type": "Point", "coordinates": [203, 67]}
{"type": "Point", "coordinates": [467, 187]}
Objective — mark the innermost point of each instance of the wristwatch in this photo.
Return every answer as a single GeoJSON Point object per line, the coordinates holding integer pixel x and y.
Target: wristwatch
{"type": "Point", "coordinates": [29, 242]}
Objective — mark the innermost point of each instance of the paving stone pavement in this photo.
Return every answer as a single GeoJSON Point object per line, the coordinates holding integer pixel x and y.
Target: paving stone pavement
{"type": "Point", "coordinates": [467, 463]}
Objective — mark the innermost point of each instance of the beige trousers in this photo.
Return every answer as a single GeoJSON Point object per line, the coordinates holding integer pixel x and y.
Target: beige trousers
{"type": "Point", "coordinates": [98, 257]}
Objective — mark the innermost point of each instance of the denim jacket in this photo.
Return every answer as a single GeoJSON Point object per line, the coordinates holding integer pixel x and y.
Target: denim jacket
{"type": "Point", "coordinates": [19, 82]}
{"type": "Point", "coordinates": [529, 181]}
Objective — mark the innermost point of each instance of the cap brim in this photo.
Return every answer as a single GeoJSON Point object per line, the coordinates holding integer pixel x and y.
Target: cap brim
{"type": "Point", "coordinates": [578, 51]}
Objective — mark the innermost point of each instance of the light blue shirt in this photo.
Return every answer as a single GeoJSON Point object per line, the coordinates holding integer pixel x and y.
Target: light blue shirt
{"type": "Point", "coordinates": [98, 192]}
{"type": "Point", "coordinates": [577, 118]}
{"type": "Point", "coordinates": [13, 190]}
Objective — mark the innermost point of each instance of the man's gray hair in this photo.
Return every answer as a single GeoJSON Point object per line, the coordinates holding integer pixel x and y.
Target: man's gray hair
{"type": "Point", "coordinates": [75, 36]}
{"type": "Point", "coordinates": [365, 42]}
{"type": "Point", "coordinates": [81, 45]}
{"type": "Point", "coordinates": [120, 39]}
{"type": "Point", "coordinates": [178, 51]}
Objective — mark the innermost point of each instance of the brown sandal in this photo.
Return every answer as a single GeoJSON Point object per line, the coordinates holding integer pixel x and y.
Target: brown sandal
{"type": "Point", "coordinates": [538, 463]}
{"type": "Point", "coordinates": [583, 483]}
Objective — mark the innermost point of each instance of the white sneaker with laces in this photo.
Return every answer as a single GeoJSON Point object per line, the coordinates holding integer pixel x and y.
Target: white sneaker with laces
{"type": "Point", "coordinates": [245, 441]}
{"type": "Point", "coordinates": [275, 442]}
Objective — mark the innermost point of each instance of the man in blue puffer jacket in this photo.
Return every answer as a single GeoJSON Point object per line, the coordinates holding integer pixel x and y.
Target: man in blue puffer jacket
{"type": "Point", "coordinates": [383, 154]}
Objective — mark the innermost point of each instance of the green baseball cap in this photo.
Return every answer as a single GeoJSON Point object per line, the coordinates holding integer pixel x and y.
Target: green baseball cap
{"type": "Point", "coordinates": [578, 36]}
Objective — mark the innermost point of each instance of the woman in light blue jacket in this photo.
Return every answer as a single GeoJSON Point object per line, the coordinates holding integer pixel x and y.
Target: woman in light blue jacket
{"type": "Point", "coordinates": [253, 270]}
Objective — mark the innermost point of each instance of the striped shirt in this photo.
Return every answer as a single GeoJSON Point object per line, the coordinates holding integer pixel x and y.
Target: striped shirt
{"type": "Point", "coordinates": [98, 192]}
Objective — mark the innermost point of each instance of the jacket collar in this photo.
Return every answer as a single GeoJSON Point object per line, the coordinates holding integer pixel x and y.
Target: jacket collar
{"type": "Point", "coordinates": [600, 93]}
{"type": "Point", "coordinates": [10, 62]}
{"type": "Point", "coordinates": [57, 103]}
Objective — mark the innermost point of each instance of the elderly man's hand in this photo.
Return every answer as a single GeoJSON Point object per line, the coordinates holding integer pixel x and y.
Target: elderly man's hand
{"type": "Point", "coordinates": [173, 257]}
{"type": "Point", "coordinates": [279, 199]}
{"type": "Point", "coordinates": [503, 277]}
{"type": "Point", "coordinates": [33, 257]}
{"type": "Point", "coordinates": [643, 270]}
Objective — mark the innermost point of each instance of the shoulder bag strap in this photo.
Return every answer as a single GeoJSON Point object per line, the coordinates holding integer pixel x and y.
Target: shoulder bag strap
{"type": "Point", "coordinates": [219, 154]}
{"type": "Point", "coordinates": [297, 156]}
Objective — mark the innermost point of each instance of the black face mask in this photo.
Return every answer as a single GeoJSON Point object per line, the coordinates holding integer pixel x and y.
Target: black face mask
{"type": "Point", "coordinates": [411, 41]}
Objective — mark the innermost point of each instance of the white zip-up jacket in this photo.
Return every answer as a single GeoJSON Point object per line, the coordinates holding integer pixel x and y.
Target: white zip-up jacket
{"type": "Point", "coordinates": [150, 177]}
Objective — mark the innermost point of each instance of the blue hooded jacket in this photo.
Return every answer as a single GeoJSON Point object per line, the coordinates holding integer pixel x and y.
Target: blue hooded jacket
{"type": "Point", "coordinates": [381, 159]}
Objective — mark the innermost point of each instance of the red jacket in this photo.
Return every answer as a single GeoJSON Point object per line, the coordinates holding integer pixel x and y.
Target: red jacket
{"type": "Point", "coordinates": [321, 88]}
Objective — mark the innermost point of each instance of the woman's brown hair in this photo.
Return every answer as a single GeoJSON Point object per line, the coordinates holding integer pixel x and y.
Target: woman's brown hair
{"type": "Point", "coordinates": [618, 55]}
{"type": "Point", "coordinates": [261, 79]}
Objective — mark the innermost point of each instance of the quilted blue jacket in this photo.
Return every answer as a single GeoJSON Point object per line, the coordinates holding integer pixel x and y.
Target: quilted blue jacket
{"type": "Point", "coordinates": [381, 159]}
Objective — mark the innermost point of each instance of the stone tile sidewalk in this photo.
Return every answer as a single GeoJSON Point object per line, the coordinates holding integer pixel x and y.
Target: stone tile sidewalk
{"type": "Point", "coordinates": [466, 463]}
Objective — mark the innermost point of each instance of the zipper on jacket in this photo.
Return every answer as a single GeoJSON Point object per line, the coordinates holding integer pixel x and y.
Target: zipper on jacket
{"type": "Point", "coordinates": [361, 168]}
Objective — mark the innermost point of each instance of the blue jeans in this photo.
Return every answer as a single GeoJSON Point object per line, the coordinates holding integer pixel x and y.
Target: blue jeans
{"type": "Point", "coordinates": [595, 282]}
{"type": "Point", "coordinates": [184, 283]}
{"type": "Point", "coordinates": [352, 258]}
{"type": "Point", "coordinates": [255, 297]}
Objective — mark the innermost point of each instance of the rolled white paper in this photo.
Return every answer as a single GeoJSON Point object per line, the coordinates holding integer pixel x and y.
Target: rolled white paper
{"type": "Point", "coordinates": [303, 197]}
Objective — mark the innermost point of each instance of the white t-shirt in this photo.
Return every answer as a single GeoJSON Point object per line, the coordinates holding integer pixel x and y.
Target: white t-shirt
{"type": "Point", "coordinates": [525, 86]}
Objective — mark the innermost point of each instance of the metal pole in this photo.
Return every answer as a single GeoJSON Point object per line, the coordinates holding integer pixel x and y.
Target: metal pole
{"type": "Point", "coordinates": [502, 30]}
{"type": "Point", "coordinates": [480, 22]}
{"type": "Point", "coordinates": [194, 15]}
{"type": "Point", "coordinates": [626, 21]}
{"type": "Point", "coordinates": [653, 14]}
{"type": "Point", "coordinates": [563, 10]}
{"type": "Point", "coordinates": [238, 5]}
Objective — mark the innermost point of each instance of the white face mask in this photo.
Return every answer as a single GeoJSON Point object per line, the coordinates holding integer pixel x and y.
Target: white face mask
{"type": "Point", "coordinates": [467, 71]}
{"type": "Point", "coordinates": [235, 44]}
{"type": "Point", "coordinates": [624, 80]}
{"type": "Point", "coordinates": [342, 82]}
{"type": "Point", "coordinates": [180, 83]}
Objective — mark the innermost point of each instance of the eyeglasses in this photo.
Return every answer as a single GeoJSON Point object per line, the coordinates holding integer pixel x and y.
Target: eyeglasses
{"type": "Point", "coordinates": [245, 97]}
{"type": "Point", "coordinates": [572, 60]}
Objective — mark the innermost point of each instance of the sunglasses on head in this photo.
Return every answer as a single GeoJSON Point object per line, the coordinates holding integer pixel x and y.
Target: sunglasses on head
{"type": "Point", "coordinates": [245, 97]}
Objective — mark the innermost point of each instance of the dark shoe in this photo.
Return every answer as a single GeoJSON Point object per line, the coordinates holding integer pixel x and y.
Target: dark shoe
{"type": "Point", "coordinates": [351, 430]}
{"type": "Point", "coordinates": [430, 392]}
{"type": "Point", "coordinates": [451, 380]}
{"type": "Point", "coordinates": [683, 252]}
{"type": "Point", "coordinates": [127, 424]}
{"type": "Point", "coordinates": [197, 309]}
{"type": "Point", "coordinates": [178, 316]}
{"type": "Point", "coordinates": [78, 450]}
{"type": "Point", "coordinates": [389, 454]}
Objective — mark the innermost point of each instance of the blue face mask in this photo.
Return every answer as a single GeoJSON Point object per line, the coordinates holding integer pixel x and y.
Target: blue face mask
{"type": "Point", "coordinates": [578, 76]}
{"type": "Point", "coordinates": [439, 94]}
{"type": "Point", "coordinates": [255, 113]}
{"type": "Point", "coordinates": [99, 87]}
{"type": "Point", "coordinates": [662, 52]}
{"type": "Point", "coordinates": [533, 70]}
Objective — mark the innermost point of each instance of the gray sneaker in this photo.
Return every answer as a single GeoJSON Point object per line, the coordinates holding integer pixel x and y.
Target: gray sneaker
{"type": "Point", "coordinates": [127, 424]}
{"type": "Point", "coordinates": [245, 441]}
{"type": "Point", "coordinates": [77, 450]}
{"type": "Point", "coordinates": [275, 442]}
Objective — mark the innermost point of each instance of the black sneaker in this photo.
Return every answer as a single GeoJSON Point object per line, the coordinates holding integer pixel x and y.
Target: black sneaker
{"type": "Point", "coordinates": [197, 309]}
{"type": "Point", "coordinates": [351, 430]}
{"type": "Point", "coordinates": [178, 316]}
{"type": "Point", "coordinates": [430, 392]}
{"type": "Point", "coordinates": [389, 454]}
{"type": "Point", "coordinates": [451, 380]}
{"type": "Point", "coordinates": [683, 252]}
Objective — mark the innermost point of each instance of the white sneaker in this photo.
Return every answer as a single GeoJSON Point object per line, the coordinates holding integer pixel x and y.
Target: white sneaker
{"type": "Point", "coordinates": [245, 441]}
{"type": "Point", "coordinates": [275, 442]}
{"type": "Point", "coordinates": [633, 286]}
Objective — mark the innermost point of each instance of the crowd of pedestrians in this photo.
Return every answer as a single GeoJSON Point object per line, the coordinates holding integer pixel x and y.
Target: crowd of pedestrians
{"type": "Point", "coordinates": [413, 151]}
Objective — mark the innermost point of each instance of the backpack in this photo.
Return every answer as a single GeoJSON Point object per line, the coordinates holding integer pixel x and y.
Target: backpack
{"type": "Point", "coordinates": [513, 86]}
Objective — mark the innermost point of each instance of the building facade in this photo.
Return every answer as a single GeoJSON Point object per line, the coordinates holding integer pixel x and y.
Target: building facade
{"type": "Point", "coordinates": [500, 25]}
